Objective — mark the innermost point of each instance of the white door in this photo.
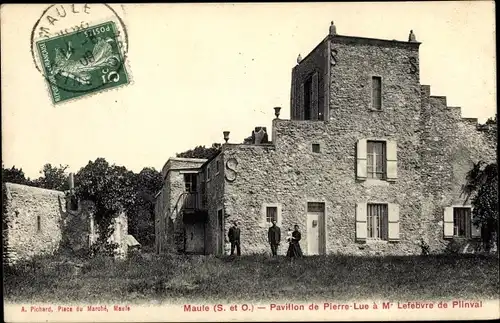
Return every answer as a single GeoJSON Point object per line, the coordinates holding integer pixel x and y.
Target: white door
{"type": "Point", "coordinates": [315, 233]}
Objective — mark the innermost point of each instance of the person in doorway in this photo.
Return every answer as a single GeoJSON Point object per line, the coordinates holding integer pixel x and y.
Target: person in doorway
{"type": "Point", "coordinates": [234, 238]}
{"type": "Point", "coordinates": [294, 250]}
{"type": "Point", "coordinates": [274, 237]}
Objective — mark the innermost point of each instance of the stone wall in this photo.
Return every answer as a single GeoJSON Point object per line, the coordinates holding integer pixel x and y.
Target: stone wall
{"type": "Point", "coordinates": [215, 202]}
{"type": "Point", "coordinates": [26, 204]}
{"type": "Point", "coordinates": [60, 228]}
{"type": "Point", "coordinates": [289, 174]}
{"type": "Point", "coordinates": [449, 147]}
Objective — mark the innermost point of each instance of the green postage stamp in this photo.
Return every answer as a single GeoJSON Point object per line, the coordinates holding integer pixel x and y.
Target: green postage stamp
{"type": "Point", "coordinates": [83, 62]}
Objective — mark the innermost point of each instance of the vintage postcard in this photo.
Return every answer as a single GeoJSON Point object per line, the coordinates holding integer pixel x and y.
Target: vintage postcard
{"type": "Point", "coordinates": [249, 162]}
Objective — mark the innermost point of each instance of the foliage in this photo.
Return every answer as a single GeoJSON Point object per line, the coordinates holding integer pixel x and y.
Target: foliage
{"type": "Point", "coordinates": [424, 247]}
{"type": "Point", "coordinates": [141, 211]}
{"type": "Point", "coordinates": [482, 189]}
{"type": "Point", "coordinates": [53, 178]}
{"type": "Point", "coordinates": [199, 152]}
{"type": "Point", "coordinates": [14, 175]}
{"type": "Point", "coordinates": [110, 188]}
{"type": "Point", "coordinates": [490, 126]}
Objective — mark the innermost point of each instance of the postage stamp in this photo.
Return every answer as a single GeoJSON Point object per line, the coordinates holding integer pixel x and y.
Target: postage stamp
{"type": "Point", "coordinates": [83, 62]}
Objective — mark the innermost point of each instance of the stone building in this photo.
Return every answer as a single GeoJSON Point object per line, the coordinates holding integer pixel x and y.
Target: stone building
{"type": "Point", "coordinates": [369, 163]}
{"type": "Point", "coordinates": [42, 221]}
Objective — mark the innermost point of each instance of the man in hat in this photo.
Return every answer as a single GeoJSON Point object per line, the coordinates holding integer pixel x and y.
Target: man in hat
{"type": "Point", "coordinates": [234, 238]}
{"type": "Point", "coordinates": [274, 237]}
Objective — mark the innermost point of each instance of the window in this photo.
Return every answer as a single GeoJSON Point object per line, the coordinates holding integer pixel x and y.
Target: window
{"type": "Point", "coordinates": [208, 173]}
{"type": "Point", "coordinates": [315, 207]}
{"type": "Point", "coordinates": [376, 93]}
{"type": "Point", "coordinates": [190, 182]}
{"type": "Point", "coordinates": [217, 167]}
{"type": "Point", "coordinates": [308, 98]}
{"type": "Point", "coordinates": [315, 148]}
{"type": "Point", "coordinates": [38, 224]}
{"type": "Point", "coordinates": [376, 159]}
{"type": "Point", "coordinates": [271, 214]}
{"type": "Point", "coordinates": [462, 222]}
{"type": "Point", "coordinates": [377, 221]}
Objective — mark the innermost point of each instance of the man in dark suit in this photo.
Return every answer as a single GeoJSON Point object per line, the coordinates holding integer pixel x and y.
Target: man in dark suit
{"type": "Point", "coordinates": [274, 238]}
{"type": "Point", "coordinates": [234, 238]}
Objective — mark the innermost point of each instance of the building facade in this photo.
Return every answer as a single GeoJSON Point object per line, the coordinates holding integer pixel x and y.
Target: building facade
{"type": "Point", "coordinates": [42, 222]}
{"type": "Point", "coordinates": [369, 163]}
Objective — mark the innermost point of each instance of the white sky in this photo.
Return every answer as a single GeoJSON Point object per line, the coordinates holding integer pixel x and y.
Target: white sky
{"type": "Point", "coordinates": [199, 69]}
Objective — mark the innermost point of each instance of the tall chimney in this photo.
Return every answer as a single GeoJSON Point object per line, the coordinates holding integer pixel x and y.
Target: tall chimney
{"type": "Point", "coordinates": [71, 181]}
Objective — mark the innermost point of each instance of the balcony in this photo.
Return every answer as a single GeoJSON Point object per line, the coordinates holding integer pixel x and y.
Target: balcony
{"type": "Point", "coordinates": [191, 208]}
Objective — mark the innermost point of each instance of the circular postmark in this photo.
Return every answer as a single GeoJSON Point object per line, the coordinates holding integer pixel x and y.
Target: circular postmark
{"type": "Point", "coordinates": [80, 49]}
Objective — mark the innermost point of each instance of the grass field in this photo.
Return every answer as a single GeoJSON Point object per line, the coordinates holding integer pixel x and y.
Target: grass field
{"type": "Point", "coordinates": [253, 278]}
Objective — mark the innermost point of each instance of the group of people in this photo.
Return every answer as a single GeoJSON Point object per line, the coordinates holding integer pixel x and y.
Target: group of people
{"type": "Point", "coordinates": [273, 237]}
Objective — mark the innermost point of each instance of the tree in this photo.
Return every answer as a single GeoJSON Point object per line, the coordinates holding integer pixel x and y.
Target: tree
{"type": "Point", "coordinates": [481, 189]}
{"type": "Point", "coordinates": [53, 178]}
{"type": "Point", "coordinates": [141, 211]}
{"type": "Point", "coordinates": [199, 152]}
{"type": "Point", "coordinates": [490, 128]}
{"type": "Point", "coordinates": [14, 175]}
{"type": "Point", "coordinates": [110, 188]}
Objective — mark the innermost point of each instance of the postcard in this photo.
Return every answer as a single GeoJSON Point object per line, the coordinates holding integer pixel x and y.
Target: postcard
{"type": "Point", "coordinates": [249, 162]}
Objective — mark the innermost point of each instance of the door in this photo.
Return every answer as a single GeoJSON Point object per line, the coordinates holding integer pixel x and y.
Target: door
{"type": "Point", "coordinates": [315, 228]}
{"type": "Point", "coordinates": [220, 232]}
{"type": "Point", "coordinates": [195, 238]}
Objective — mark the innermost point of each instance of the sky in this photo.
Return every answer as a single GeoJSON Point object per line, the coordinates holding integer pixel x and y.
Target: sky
{"type": "Point", "coordinates": [200, 69]}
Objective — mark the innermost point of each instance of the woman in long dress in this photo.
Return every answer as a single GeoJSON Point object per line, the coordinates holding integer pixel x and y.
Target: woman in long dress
{"type": "Point", "coordinates": [294, 250]}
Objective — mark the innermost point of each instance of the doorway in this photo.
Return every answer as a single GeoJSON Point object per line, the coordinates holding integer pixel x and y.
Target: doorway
{"type": "Point", "coordinates": [220, 232]}
{"type": "Point", "coordinates": [316, 228]}
{"type": "Point", "coordinates": [195, 238]}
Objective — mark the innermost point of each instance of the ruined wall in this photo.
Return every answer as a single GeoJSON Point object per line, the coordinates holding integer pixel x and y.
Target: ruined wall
{"type": "Point", "coordinates": [119, 236]}
{"type": "Point", "coordinates": [450, 146]}
{"type": "Point", "coordinates": [61, 229]}
{"type": "Point", "coordinates": [24, 205]}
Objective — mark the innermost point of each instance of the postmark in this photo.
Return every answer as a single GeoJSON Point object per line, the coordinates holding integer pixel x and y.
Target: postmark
{"type": "Point", "coordinates": [80, 50]}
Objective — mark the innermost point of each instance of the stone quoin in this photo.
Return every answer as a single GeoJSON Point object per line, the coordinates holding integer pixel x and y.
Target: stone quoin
{"type": "Point", "coordinates": [370, 163]}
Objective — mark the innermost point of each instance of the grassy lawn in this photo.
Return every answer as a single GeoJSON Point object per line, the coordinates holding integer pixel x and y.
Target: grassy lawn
{"type": "Point", "coordinates": [253, 278]}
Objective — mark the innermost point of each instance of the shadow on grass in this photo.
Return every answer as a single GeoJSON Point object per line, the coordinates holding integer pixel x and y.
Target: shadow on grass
{"type": "Point", "coordinates": [255, 277]}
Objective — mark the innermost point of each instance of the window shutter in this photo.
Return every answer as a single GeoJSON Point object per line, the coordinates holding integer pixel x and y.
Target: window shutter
{"type": "Point", "coordinates": [392, 160]}
{"type": "Point", "coordinates": [314, 96]}
{"type": "Point", "coordinates": [475, 231]}
{"type": "Point", "coordinates": [361, 159]}
{"type": "Point", "coordinates": [300, 110]}
{"type": "Point", "coordinates": [361, 221]}
{"type": "Point", "coordinates": [393, 222]}
{"type": "Point", "coordinates": [448, 222]}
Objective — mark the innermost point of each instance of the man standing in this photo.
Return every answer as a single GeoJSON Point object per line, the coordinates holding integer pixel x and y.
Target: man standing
{"type": "Point", "coordinates": [274, 237]}
{"type": "Point", "coordinates": [234, 238]}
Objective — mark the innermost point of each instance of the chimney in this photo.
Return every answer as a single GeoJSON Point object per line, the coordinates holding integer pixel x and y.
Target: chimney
{"type": "Point", "coordinates": [71, 181]}
{"type": "Point", "coordinates": [260, 136]}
